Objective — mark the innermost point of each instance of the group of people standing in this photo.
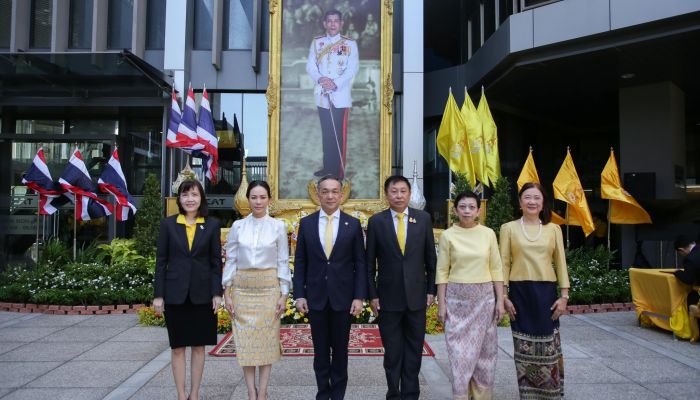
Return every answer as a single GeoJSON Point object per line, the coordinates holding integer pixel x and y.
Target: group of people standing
{"type": "Point", "coordinates": [395, 267]}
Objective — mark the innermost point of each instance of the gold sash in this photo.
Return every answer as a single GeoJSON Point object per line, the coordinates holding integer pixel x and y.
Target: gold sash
{"type": "Point", "coordinates": [326, 50]}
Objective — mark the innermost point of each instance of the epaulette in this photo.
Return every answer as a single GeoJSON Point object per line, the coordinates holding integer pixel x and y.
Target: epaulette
{"type": "Point", "coordinates": [318, 37]}
{"type": "Point", "coordinates": [347, 38]}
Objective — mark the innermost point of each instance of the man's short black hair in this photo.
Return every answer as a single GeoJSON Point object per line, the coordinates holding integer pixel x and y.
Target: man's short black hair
{"type": "Point", "coordinates": [329, 177]}
{"type": "Point", "coordinates": [333, 12]}
{"type": "Point", "coordinates": [395, 179]}
{"type": "Point", "coordinates": [683, 241]}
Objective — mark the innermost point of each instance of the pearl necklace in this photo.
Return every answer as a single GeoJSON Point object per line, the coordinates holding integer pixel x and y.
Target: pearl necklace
{"type": "Point", "coordinates": [529, 239]}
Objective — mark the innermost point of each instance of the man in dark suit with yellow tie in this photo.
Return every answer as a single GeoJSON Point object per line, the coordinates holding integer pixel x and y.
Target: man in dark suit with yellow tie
{"type": "Point", "coordinates": [401, 270]}
{"type": "Point", "coordinates": [330, 282]}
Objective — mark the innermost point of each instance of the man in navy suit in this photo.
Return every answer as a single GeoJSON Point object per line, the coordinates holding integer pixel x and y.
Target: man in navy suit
{"type": "Point", "coordinates": [330, 281]}
{"type": "Point", "coordinates": [401, 266]}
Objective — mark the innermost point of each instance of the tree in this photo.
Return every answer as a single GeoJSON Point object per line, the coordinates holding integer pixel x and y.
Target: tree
{"type": "Point", "coordinates": [148, 218]}
{"type": "Point", "coordinates": [500, 209]}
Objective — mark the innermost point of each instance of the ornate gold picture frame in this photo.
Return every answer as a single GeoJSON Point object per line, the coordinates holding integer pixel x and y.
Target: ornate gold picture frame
{"type": "Point", "coordinates": [293, 192]}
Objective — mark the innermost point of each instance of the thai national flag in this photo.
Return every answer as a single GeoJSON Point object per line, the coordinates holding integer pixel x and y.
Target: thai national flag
{"type": "Point", "coordinates": [207, 136]}
{"type": "Point", "coordinates": [187, 129]}
{"type": "Point", "coordinates": [80, 189]}
{"type": "Point", "coordinates": [172, 139]}
{"type": "Point", "coordinates": [113, 181]}
{"type": "Point", "coordinates": [38, 178]}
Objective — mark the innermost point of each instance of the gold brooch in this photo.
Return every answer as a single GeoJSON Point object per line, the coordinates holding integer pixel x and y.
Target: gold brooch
{"type": "Point", "coordinates": [412, 220]}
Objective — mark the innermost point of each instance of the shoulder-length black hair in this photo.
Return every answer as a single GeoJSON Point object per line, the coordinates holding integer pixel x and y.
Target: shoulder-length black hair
{"type": "Point", "coordinates": [546, 213]}
{"type": "Point", "coordinates": [188, 185]}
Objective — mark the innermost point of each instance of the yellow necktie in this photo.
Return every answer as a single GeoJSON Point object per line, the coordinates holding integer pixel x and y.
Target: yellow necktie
{"type": "Point", "coordinates": [401, 232]}
{"type": "Point", "coordinates": [329, 236]}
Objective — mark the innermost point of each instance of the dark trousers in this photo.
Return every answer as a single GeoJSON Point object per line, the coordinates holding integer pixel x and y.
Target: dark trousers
{"type": "Point", "coordinates": [334, 139]}
{"type": "Point", "coordinates": [330, 331]}
{"type": "Point", "coordinates": [403, 333]}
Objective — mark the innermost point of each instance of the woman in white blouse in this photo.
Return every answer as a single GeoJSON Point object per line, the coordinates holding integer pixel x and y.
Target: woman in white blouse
{"type": "Point", "coordinates": [256, 279]}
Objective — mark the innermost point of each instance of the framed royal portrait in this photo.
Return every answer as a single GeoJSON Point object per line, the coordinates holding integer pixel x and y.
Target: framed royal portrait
{"type": "Point", "coordinates": [329, 99]}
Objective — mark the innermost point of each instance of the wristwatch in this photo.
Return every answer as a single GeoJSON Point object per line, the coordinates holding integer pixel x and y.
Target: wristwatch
{"type": "Point", "coordinates": [565, 296]}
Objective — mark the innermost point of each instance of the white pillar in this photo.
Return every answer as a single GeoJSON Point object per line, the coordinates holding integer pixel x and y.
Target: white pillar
{"type": "Point", "coordinates": [178, 39]}
{"type": "Point", "coordinates": [412, 117]}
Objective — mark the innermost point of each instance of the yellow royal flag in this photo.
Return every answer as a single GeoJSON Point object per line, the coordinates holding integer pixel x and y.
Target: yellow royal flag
{"type": "Point", "coordinates": [452, 141]}
{"type": "Point", "coordinates": [475, 136]}
{"type": "Point", "coordinates": [568, 188]}
{"type": "Point", "coordinates": [529, 174]}
{"type": "Point", "coordinates": [624, 209]}
{"type": "Point", "coordinates": [493, 162]}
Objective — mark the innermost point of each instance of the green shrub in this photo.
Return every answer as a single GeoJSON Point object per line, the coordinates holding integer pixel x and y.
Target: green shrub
{"type": "Point", "coordinates": [148, 218]}
{"type": "Point", "coordinates": [592, 281]}
{"type": "Point", "coordinates": [118, 252]}
{"type": "Point", "coordinates": [499, 209]}
{"type": "Point", "coordinates": [80, 284]}
{"type": "Point", "coordinates": [87, 253]}
{"type": "Point", "coordinates": [54, 253]}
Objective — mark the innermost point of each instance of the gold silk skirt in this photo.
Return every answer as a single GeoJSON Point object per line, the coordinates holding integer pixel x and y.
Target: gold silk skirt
{"type": "Point", "coordinates": [256, 331]}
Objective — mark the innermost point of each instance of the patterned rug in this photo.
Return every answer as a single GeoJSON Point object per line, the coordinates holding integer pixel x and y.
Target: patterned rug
{"type": "Point", "coordinates": [296, 341]}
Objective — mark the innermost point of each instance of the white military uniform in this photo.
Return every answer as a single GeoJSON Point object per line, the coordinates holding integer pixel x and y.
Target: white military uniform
{"type": "Point", "coordinates": [334, 57]}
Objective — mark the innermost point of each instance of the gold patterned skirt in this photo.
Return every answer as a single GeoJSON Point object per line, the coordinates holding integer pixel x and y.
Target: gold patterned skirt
{"type": "Point", "coordinates": [256, 331]}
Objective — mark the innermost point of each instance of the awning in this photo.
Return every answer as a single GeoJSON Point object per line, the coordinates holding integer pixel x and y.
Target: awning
{"type": "Point", "coordinates": [80, 79]}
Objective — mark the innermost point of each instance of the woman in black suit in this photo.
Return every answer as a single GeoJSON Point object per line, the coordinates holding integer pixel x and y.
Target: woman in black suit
{"type": "Point", "coordinates": [188, 282]}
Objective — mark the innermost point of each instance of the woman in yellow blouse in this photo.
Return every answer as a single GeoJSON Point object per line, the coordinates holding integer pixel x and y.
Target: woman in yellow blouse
{"type": "Point", "coordinates": [470, 300]}
{"type": "Point", "coordinates": [532, 250]}
{"type": "Point", "coordinates": [187, 283]}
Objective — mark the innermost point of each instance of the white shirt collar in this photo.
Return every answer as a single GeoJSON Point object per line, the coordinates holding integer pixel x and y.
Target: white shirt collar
{"type": "Point", "coordinates": [393, 213]}
{"type": "Point", "coordinates": [335, 215]}
{"type": "Point", "coordinates": [333, 38]}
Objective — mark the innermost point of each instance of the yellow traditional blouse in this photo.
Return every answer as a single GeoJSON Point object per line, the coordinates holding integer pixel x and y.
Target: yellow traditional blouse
{"type": "Point", "coordinates": [468, 255]}
{"type": "Point", "coordinates": [189, 229]}
{"type": "Point", "coordinates": [537, 257]}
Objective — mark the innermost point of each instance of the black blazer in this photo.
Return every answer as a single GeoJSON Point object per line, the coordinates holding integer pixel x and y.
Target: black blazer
{"type": "Point", "coordinates": [339, 279]}
{"type": "Point", "coordinates": [180, 271]}
{"type": "Point", "coordinates": [690, 274]}
{"type": "Point", "coordinates": [401, 281]}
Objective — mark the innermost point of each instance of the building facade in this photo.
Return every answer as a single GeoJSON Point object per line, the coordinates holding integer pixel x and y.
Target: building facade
{"type": "Point", "coordinates": [589, 74]}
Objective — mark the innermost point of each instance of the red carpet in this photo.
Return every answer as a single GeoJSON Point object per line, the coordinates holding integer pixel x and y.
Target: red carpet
{"type": "Point", "coordinates": [296, 341]}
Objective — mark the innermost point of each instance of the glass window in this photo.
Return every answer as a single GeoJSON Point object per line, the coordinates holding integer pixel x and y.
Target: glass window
{"type": "Point", "coordinates": [155, 25]}
{"type": "Point", "coordinates": [91, 126]}
{"type": "Point", "coordinates": [238, 24]}
{"type": "Point", "coordinates": [119, 24]}
{"type": "Point", "coordinates": [5, 22]}
{"type": "Point", "coordinates": [40, 33]}
{"type": "Point", "coordinates": [203, 12]}
{"type": "Point", "coordinates": [37, 126]}
{"type": "Point", "coordinates": [265, 27]}
{"type": "Point", "coordinates": [144, 136]}
{"type": "Point", "coordinates": [80, 24]}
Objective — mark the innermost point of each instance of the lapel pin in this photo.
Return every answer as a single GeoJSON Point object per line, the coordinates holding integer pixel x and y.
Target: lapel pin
{"type": "Point", "coordinates": [201, 227]}
{"type": "Point", "coordinates": [412, 220]}
{"type": "Point", "coordinates": [346, 224]}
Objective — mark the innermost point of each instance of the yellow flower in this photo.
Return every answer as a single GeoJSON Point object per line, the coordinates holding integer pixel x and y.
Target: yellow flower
{"type": "Point", "coordinates": [296, 315]}
{"type": "Point", "coordinates": [306, 320]}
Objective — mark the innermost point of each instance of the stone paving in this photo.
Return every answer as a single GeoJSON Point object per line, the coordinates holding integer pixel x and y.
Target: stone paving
{"type": "Point", "coordinates": [607, 356]}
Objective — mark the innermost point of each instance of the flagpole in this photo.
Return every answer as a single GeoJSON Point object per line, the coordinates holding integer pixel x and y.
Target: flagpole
{"type": "Point", "coordinates": [567, 226]}
{"type": "Point", "coordinates": [75, 221]}
{"type": "Point", "coordinates": [75, 225]}
{"type": "Point", "coordinates": [38, 215]}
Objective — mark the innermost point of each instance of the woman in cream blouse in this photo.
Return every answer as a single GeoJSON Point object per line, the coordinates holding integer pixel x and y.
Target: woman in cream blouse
{"type": "Point", "coordinates": [470, 300]}
{"type": "Point", "coordinates": [532, 250]}
{"type": "Point", "coordinates": [256, 279]}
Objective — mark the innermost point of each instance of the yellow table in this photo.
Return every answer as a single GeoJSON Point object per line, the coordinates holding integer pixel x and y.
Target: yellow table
{"type": "Point", "coordinates": [660, 300]}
